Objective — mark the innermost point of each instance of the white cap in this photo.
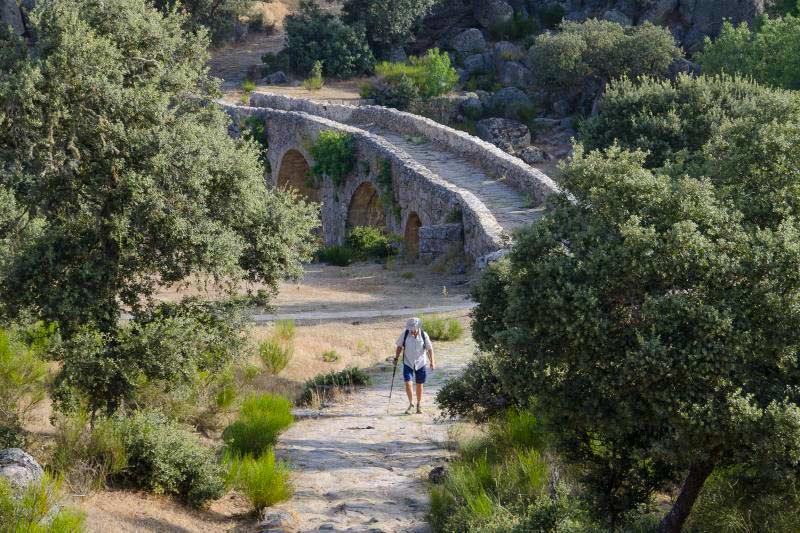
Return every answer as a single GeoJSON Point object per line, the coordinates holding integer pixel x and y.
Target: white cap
{"type": "Point", "coordinates": [413, 323]}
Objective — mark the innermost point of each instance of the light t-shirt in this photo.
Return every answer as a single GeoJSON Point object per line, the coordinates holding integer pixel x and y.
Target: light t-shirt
{"type": "Point", "coordinates": [415, 354]}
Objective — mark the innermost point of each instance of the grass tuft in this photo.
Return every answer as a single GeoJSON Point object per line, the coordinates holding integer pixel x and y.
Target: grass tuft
{"type": "Point", "coordinates": [442, 328]}
{"type": "Point", "coordinates": [274, 355]}
{"type": "Point", "coordinates": [262, 418]}
{"type": "Point", "coordinates": [263, 480]}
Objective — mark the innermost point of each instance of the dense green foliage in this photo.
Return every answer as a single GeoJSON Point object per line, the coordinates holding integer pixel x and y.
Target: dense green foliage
{"type": "Point", "coordinates": [334, 155]}
{"type": "Point", "coordinates": [676, 121]}
{"type": "Point", "coordinates": [399, 92]}
{"type": "Point", "coordinates": [442, 328]}
{"type": "Point", "coordinates": [262, 417]}
{"type": "Point", "coordinates": [261, 479]}
{"type": "Point", "coordinates": [217, 16]}
{"type": "Point", "coordinates": [432, 74]}
{"type": "Point", "coordinates": [336, 254]}
{"type": "Point", "coordinates": [578, 61]}
{"type": "Point", "coordinates": [768, 54]}
{"type": "Point", "coordinates": [388, 23]}
{"type": "Point", "coordinates": [316, 35]}
{"type": "Point", "coordinates": [315, 81]}
{"type": "Point", "coordinates": [368, 242]}
{"type": "Point", "coordinates": [477, 394]}
{"type": "Point", "coordinates": [108, 203]}
{"type": "Point", "coordinates": [37, 509]}
{"type": "Point", "coordinates": [274, 354]}
{"type": "Point", "coordinates": [500, 482]}
{"type": "Point", "coordinates": [344, 380]}
{"type": "Point", "coordinates": [164, 459]}
{"type": "Point", "coordinates": [664, 299]}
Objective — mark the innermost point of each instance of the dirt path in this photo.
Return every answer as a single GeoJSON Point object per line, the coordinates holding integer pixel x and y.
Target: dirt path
{"type": "Point", "coordinates": [314, 316]}
{"type": "Point", "coordinates": [357, 468]}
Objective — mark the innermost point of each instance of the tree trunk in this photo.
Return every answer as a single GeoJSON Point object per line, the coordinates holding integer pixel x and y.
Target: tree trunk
{"type": "Point", "coordinates": [674, 520]}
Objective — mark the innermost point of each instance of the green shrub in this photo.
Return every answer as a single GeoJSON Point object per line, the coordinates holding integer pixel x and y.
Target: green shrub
{"type": "Point", "coordinates": [37, 509]}
{"type": "Point", "coordinates": [255, 128]}
{"type": "Point", "coordinates": [23, 376]}
{"type": "Point", "coordinates": [768, 53]}
{"type": "Point", "coordinates": [315, 81]}
{"type": "Point", "coordinates": [387, 24]}
{"type": "Point", "coordinates": [164, 459]}
{"type": "Point", "coordinates": [672, 120]}
{"type": "Point", "coordinates": [285, 330]}
{"type": "Point", "coordinates": [399, 92]}
{"type": "Point", "coordinates": [345, 379]}
{"type": "Point", "coordinates": [334, 155]}
{"type": "Point", "coordinates": [578, 61]}
{"type": "Point", "coordinates": [518, 28]}
{"type": "Point", "coordinates": [315, 35]}
{"type": "Point", "coordinates": [87, 456]}
{"type": "Point", "coordinates": [262, 480]}
{"type": "Point", "coordinates": [476, 394]}
{"type": "Point", "coordinates": [368, 242]}
{"type": "Point", "coordinates": [261, 419]}
{"type": "Point", "coordinates": [551, 15]}
{"type": "Point", "coordinates": [248, 86]}
{"type": "Point", "coordinates": [330, 356]}
{"type": "Point", "coordinates": [432, 74]}
{"type": "Point", "coordinates": [275, 355]}
{"type": "Point", "coordinates": [442, 328]}
{"type": "Point", "coordinates": [337, 255]}
{"type": "Point", "coordinates": [218, 17]}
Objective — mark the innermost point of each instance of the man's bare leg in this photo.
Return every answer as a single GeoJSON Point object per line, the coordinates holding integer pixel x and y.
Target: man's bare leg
{"type": "Point", "coordinates": [410, 395]}
{"type": "Point", "coordinates": [419, 397]}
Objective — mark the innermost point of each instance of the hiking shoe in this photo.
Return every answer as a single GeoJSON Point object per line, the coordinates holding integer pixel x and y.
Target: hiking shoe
{"type": "Point", "coordinates": [419, 410]}
{"type": "Point", "coordinates": [410, 407]}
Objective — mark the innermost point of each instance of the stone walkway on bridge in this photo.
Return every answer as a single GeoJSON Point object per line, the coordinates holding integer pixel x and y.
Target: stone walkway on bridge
{"type": "Point", "coordinates": [509, 207]}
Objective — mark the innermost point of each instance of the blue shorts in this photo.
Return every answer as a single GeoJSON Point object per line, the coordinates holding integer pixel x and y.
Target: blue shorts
{"type": "Point", "coordinates": [419, 375]}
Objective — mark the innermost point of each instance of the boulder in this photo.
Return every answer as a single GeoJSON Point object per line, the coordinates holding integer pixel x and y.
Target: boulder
{"type": "Point", "coordinates": [276, 78]}
{"type": "Point", "coordinates": [509, 102]}
{"type": "Point", "coordinates": [682, 66]}
{"type": "Point", "coordinates": [514, 74]}
{"type": "Point", "coordinates": [19, 468]}
{"type": "Point", "coordinates": [533, 155]}
{"type": "Point", "coordinates": [397, 54]}
{"type": "Point", "coordinates": [485, 260]}
{"type": "Point", "coordinates": [705, 18]}
{"type": "Point", "coordinates": [493, 13]}
{"type": "Point", "coordinates": [469, 41]}
{"type": "Point", "coordinates": [477, 63]}
{"type": "Point", "coordinates": [658, 11]}
{"type": "Point", "coordinates": [471, 107]}
{"type": "Point", "coordinates": [507, 51]}
{"type": "Point", "coordinates": [509, 135]}
{"type": "Point", "coordinates": [10, 15]}
{"type": "Point", "coordinates": [614, 15]}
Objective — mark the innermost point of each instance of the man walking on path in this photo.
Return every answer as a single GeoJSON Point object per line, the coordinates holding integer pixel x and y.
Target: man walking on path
{"type": "Point", "coordinates": [417, 352]}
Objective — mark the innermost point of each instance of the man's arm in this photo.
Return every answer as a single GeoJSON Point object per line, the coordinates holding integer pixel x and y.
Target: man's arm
{"type": "Point", "coordinates": [397, 353]}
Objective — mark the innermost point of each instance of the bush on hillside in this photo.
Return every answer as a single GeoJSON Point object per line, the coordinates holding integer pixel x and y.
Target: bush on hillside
{"type": "Point", "coordinates": [337, 255]}
{"type": "Point", "coordinates": [387, 24]}
{"type": "Point", "coordinates": [672, 120]}
{"type": "Point", "coordinates": [219, 17]}
{"type": "Point", "coordinates": [37, 509]}
{"type": "Point", "coordinates": [261, 419]}
{"type": "Point", "coordinates": [315, 35]}
{"type": "Point", "coordinates": [768, 53]}
{"type": "Point", "coordinates": [165, 459]}
{"type": "Point", "coordinates": [432, 74]}
{"type": "Point", "coordinates": [578, 61]}
{"type": "Point", "coordinates": [399, 92]}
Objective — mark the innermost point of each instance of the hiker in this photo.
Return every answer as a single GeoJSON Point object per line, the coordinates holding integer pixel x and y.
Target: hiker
{"type": "Point", "coordinates": [417, 351]}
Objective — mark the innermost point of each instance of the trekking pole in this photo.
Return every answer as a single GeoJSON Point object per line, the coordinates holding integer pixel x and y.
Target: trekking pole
{"type": "Point", "coordinates": [392, 385]}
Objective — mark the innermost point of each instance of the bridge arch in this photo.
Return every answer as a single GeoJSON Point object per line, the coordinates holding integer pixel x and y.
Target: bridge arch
{"type": "Point", "coordinates": [294, 173]}
{"type": "Point", "coordinates": [411, 236]}
{"type": "Point", "coordinates": [366, 208]}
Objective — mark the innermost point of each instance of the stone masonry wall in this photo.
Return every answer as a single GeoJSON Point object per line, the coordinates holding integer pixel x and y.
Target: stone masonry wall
{"type": "Point", "coordinates": [493, 160]}
{"type": "Point", "coordinates": [416, 189]}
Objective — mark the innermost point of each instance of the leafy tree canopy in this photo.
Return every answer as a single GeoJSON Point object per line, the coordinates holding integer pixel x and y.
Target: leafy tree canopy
{"type": "Point", "coordinates": [655, 317]}
{"type": "Point", "coordinates": [387, 22]}
{"type": "Point", "coordinates": [769, 54]}
{"type": "Point", "coordinates": [117, 177]}
{"type": "Point", "coordinates": [217, 16]}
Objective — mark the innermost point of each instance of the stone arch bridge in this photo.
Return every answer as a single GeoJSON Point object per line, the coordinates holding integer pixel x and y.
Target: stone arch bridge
{"type": "Point", "coordinates": [439, 188]}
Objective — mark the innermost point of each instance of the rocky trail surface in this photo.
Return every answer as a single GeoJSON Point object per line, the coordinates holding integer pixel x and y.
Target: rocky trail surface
{"type": "Point", "coordinates": [357, 467]}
